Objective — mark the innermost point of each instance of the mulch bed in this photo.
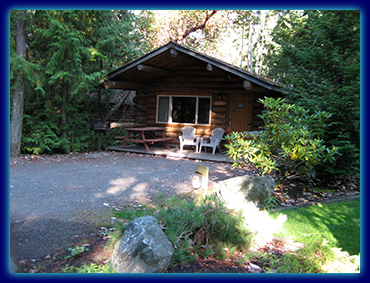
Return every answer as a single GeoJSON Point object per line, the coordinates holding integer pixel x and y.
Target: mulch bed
{"type": "Point", "coordinates": [98, 254]}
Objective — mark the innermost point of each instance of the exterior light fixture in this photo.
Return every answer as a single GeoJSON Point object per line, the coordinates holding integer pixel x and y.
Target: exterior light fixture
{"type": "Point", "coordinates": [197, 180]}
{"type": "Point", "coordinates": [200, 184]}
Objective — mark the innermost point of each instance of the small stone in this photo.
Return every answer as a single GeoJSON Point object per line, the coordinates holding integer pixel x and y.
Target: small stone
{"type": "Point", "coordinates": [254, 266]}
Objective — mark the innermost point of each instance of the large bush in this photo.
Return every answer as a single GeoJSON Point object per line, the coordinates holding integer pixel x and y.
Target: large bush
{"type": "Point", "coordinates": [288, 145]}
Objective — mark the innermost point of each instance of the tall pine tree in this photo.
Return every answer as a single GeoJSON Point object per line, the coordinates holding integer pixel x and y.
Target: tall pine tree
{"type": "Point", "coordinates": [67, 53]}
{"type": "Point", "coordinates": [318, 60]}
{"type": "Point", "coordinates": [16, 122]}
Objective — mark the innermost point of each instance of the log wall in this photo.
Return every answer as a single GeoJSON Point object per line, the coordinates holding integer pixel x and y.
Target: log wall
{"type": "Point", "coordinates": [218, 84]}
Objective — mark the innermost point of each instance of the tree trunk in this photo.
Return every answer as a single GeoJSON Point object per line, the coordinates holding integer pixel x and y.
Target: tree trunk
{"type": "Point", "coordinates": [250, 52]}
{"type": "Point", "coordinates": [16, 122]}
{"type": "Point", "coordinates": [64, 114]}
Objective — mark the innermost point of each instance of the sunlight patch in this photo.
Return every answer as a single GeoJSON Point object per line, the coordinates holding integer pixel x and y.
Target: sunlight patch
{"type": "Point", "coordinates": [120, 185]}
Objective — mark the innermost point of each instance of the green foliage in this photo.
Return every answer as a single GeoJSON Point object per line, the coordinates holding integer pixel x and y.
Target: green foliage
{"type": "Point", "coordinates": [197, 230]}
{"type": "Point", "coordinates": [68, 53]}
{"type": "Point", "coordinates": [193, 230]}
{"type": "Point", "coordinates": [43, 132]}
{"type": "Point", "coordinates": [89, 268]}
{"type": "Point", "coordinates": [318, 59]}
{"type": "Point", "coordinates": [288, 145]}
{"type": "Point", "coordinates": [127, 215]}
{"type": "Point", "coordinates": [76, 251]}
{"type": "Point", "coordinates": [271, 202]}
{"type": "Point", "coordinates": [134, 212]}
{"type": "Point", "coordinates": [328, 220]}
{"type": "Point", "coordinates": [315, 257]}
{"type": "Point", "coordinates": [306, 260]}
{"type": "Point", "coordinates": [43, 136]}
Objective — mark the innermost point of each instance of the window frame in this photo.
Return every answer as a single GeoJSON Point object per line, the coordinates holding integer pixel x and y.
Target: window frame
{"type": "Point", "coordinates": [170, 109]}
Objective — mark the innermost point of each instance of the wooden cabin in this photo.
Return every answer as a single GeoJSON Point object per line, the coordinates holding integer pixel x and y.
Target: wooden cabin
{"type": "Point", "coordinates": [177, 86]}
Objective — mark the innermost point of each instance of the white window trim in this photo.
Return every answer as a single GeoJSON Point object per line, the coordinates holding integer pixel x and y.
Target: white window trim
{"type": "Point", "coordinates": [196, 110]}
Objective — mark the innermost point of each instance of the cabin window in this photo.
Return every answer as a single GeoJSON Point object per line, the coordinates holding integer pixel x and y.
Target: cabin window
{"type": "Point", "coordinates": [175, 109]}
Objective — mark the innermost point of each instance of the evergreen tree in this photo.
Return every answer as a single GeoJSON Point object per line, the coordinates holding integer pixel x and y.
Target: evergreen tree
{"type": "Point", "coordinates": [318, 59]}
{"type": "Point", "coordinates": [16, 121]}
{"type": "Point", "coordinates": [68, 53]}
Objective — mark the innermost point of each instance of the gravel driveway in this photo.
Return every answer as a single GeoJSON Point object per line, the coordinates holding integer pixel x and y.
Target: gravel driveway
{"type": "Point", "coordinates": [52, 199]}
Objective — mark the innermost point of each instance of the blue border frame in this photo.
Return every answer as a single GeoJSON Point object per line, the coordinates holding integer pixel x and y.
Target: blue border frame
{"type": "Point", "coordinates": [270, 4]}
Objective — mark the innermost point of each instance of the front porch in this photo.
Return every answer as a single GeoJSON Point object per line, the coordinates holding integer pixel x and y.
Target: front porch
{"type": "Point", "coordinates": [174, 152]}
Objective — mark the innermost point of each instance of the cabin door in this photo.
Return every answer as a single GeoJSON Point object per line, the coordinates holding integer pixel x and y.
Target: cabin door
{"type": "Point", "coordinates": [240, 113]}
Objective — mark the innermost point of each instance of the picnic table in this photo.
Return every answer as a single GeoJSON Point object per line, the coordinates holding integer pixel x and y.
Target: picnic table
{"type": "Point", "coordinates": [145, 135]}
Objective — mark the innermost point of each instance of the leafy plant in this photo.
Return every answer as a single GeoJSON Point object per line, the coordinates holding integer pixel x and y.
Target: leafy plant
{"type": "Point", "coordinates": [288, 145]}
{"type": "Point", "coordinates": [271, 202]}
{"type": "Point", "coordinates": [75, 251]}
{"type": "Point", "coordinates": [89, 268]}
{"type": "Point", "coordinates": [105, 232]}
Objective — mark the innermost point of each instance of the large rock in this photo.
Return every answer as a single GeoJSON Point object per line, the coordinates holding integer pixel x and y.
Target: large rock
{"type": "Point", "coordinates": [243, 194]}
{"type": "Point", "coordinates": [247, 188]}
{"type": "Point", "coordinates": [143, 248]}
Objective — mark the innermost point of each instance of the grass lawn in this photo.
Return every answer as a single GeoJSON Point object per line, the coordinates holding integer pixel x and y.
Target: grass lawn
{"type": "Point", "coordinates": [338, 223]}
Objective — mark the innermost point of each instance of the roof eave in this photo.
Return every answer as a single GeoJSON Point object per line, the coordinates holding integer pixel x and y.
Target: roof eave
{"type": "Point", "coordinates": [139, 60]}
{"type": "Point", "coordinates": [234, 71]}
{"type": "Point", "coordinates": [195, 54]}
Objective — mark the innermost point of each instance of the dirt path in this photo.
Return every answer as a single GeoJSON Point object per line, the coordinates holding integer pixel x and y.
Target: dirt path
{"type": "Point", "coordinates": [52, 199]}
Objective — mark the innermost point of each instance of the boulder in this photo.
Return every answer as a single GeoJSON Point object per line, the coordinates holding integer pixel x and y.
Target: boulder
{"type": "Point", "coordinates": [248, 188]}
{"type": "Point", "coordinates": [243, 194]}
{"type": "Point", "coordinates": [143, 248]}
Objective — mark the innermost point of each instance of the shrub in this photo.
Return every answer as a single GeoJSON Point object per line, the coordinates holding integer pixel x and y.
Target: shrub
{"type": "Point", "coordinates": [202, 230]}
{"type": "Point", "coordinates": [193, 230]}
{"type": "Point", "coordinates": [42, 136]}
{"type": "Point", "coordinates": [288, 145]}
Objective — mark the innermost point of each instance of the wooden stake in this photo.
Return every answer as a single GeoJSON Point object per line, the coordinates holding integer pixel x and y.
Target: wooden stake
{"type": "Point", "coordinates": [200, 194]}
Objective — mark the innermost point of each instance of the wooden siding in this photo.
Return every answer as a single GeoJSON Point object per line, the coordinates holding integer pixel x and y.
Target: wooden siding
{"type": "Point", "coordinates": [196, 80]}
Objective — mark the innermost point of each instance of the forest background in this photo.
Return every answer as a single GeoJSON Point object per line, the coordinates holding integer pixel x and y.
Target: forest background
{"type": "Point", "coordinates": [58, 58]}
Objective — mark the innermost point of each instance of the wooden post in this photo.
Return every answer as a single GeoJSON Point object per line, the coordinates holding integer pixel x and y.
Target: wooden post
{"type": "Point", "coordinates": [200, 194]}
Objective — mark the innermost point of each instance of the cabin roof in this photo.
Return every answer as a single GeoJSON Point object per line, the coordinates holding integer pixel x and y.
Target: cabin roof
{"type": "Point", "coordinates": [167, 59]}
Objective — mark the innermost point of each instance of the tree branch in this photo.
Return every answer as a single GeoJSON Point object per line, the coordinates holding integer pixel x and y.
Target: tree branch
{"type": "Point", "coordinates": [199, 26]}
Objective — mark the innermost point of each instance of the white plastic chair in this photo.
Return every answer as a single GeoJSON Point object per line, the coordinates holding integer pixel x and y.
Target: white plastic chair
{"type": "Point", "coordinates": [214, 140]}
{"type": "Point", "coordinates": [188, 138]}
